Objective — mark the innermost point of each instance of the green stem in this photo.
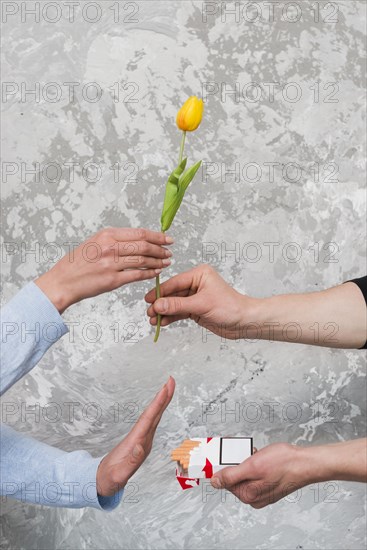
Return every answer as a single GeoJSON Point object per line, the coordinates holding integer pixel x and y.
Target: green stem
{"type": "Point", "coordinates": [182, 147]}
{"type": "Point", "coordinates": [158, 295]}
{"type": "Point", "coordinates": [157, 282]}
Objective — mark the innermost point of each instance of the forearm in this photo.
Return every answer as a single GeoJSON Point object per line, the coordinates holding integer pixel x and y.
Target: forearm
{"type": "Point", "coordinates": [346, 461]}
{"type": "Point", "coordinates": [335, 317]}
{"type": "Point", "coordinates": [30, 324]}
{"type": "Point", "coordinates": [34, 472]}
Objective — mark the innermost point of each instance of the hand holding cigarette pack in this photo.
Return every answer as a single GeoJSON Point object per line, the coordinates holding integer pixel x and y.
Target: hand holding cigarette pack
{"type": "Point", "coordinates": [200, 458]}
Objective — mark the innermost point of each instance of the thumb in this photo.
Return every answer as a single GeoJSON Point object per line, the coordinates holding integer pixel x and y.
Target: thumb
{"type": "Point", "coordinates": [230, 476]}
{"type": "Point", "coordinates": [177, 305]}
{"type": "Point", "coordinates": [128, 467]}
{"type": "Point", "coordinates": [114, 471]}
{"type": "Point", "coordinates": [136, 457]}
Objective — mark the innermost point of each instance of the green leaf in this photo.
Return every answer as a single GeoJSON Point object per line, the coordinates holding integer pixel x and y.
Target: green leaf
{"type": "Point", "coordinates": [184, 181]}
{"type": "Point", "coordinates": [172, 184]}
{"type": "Point", "coordinates": [187, 177]}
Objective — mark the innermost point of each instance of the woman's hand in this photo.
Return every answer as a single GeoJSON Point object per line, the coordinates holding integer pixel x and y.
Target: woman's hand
{"type": "Point", "coordinates": [110, 259]}
{"type": "Point", "coordinates": [121, 463]}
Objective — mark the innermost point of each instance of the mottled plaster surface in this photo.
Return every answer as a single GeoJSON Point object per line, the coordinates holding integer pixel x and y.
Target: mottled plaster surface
{"type": "Point", "coordinates": [168, 53]}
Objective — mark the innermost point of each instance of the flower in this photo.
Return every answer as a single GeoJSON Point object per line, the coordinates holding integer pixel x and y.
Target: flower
{"type": "Point", "coordinates": [188, 119]}
{"type": "Point", "coordinates": [190, 115]}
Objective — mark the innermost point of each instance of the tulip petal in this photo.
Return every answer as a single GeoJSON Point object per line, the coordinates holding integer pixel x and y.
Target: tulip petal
{"type": "Point", "coordinates": [190, 115]}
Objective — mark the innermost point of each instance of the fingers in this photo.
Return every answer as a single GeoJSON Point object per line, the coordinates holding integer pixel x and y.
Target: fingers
{"type": "Point", "coordinates": [171, 384]}
{"type": "Point", "coordinates": [121, 463]}
{"type": "Point", "coordinates": [144, 431]}
{"type": "Point", "coordinates": [123, 234]}
{"type": "Point", "coordinates": [178, 283]}
{"type": "Point", "coordinates": [232, 475]}
{"type": "Point", "coordinates": [141, 248]}
{"type": "Point", "coordinates": [151, 416]}
{"type": "Point", "coordinates": [141, 262]}
{"type": "Point", "coordinates": [177, 305]}
{"type": "Point", "coordinates": [165, 321]}
{"type": "Point", "coordinates": [183, 294]}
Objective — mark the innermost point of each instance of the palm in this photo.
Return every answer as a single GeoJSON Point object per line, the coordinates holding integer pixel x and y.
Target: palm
{"type": "Point", "coordinates": [122, 462]}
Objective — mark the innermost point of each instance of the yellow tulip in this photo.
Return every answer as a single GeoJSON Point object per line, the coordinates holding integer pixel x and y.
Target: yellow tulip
{"type": "Point", "coordinates": [190, 114]}
{"type": "Point", "coordinates": [188, 119]}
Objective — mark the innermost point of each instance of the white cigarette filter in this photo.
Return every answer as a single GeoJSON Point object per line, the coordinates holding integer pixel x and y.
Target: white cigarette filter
{"type": "Point", "coordinates": [202, 457]}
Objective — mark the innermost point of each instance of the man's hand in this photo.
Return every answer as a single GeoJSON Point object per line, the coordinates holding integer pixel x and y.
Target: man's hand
{"type": "Point", "coordinates": [122, 462]}
{"type": "Point", "coordinates": [335, 317]}
{"type": "Point", "coordinates": [202, 295]}
{"type": "Point", "coordinates": [266, 477]}
{"type": "Point", "coordinates": [280, 469]}
{"type": "Point", "coordinates": [110, 259]}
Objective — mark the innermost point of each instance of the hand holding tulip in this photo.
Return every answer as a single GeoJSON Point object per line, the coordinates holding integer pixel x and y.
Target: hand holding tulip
{"type": "Point", "coordinates": [113, 257]}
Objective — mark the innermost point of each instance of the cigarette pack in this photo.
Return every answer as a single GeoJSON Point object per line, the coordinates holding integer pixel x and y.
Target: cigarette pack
{"type": "Point", "coordinates": [200, 458]}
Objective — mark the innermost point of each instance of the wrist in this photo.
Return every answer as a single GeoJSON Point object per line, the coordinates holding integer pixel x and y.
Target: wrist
{"type": "Point", "coordinates": [108, 479]}
{"type": "Point", "coordinates": [269, 319]}
{"type": "Point", "coordinates": [318, 464]}
{"type": "Point", "coordinates": [100, 480]}
{"type": "Point", "coordinates": [55, 290]}
{"type": "Point", "coordinates": [336, 461]}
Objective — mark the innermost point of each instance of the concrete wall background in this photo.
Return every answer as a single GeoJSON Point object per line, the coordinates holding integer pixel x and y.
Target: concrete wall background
{"type": "Point", "coordinates": [162, 52]}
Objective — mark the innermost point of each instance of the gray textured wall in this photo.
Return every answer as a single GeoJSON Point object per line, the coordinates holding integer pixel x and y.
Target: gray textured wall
{"type": "Point", "coordinates": [313, 129]}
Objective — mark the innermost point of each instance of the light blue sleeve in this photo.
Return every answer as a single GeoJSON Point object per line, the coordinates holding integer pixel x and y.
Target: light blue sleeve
{"type": "Point", "coordinates": [30, 324]}
{"type": "Point", "coordinates": [33, 472]}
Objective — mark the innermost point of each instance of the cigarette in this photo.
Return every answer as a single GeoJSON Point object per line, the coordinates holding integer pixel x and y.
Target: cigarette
{"type": "Point", "coordinates": [205, 456]}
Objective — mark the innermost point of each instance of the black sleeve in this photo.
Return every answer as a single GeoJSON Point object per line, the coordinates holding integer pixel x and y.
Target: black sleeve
{"type": "Point", "coordinates": [362, 284]}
